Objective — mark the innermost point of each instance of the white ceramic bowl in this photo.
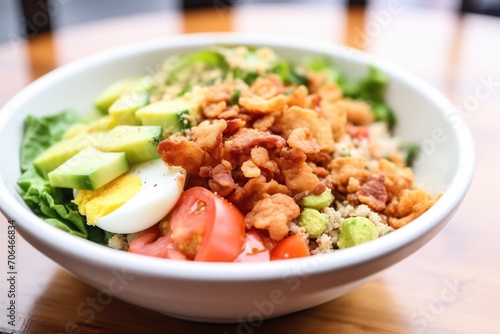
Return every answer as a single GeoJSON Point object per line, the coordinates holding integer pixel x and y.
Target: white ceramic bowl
{"type": "Point", "coordinates": [227, 292]}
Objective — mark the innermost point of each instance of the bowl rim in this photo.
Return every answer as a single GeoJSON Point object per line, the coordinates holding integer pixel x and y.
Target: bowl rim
{"type": "Point", "coordinates": [199, 271]}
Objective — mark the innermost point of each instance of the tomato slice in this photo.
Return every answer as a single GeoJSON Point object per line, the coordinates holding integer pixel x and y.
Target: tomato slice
{"type": "Point", "coordinates": [254, 249]}
{"type": "Point", "coordinates": [151, 242]}
{"type": "Point", "coordinates": [290, 247]}
{"type": "Point", "coordinates": [206, 227]}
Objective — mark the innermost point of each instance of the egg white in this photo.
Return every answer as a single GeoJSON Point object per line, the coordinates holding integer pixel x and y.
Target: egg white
{"type": "Point", "coordinates": [160, 189]}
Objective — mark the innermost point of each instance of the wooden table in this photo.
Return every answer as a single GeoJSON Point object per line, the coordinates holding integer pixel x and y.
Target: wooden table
{"type": "Point", "coordinates": [452, 285]}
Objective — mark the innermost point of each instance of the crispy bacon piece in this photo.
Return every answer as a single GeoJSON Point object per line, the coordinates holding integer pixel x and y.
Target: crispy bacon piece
{"type": "Point", "coordinates": [245, 139]}
{"type": "Point", "coordinates": [183, 153]}
{"type": "Point", "coordinates": [257, 104]}
{"type": "Point", "coordinates": [221, 181]}
{"type": "Point", "coordinates": [267, 87]}
{"type": "Point", "coordinates": [298, 97]}
{"type": "Point", "coordinates": [396, 178]}
{"type": "Point", "coordinates": [213, 110]}
{"type": "Point", "coordinates": [411, 205]}
{"type": "Point", "coordinates": [299, 176]}
{"type": "Point", "coordinates": [208, 135]}
{"type": "Point", "coordinates": [373, 193]}
{"type": "Point", "coordinates": [233, 125]}
{"type": "Point", "coordinates": [343, 168]}
{"type": "Point", "coordinates": [244, 198]}
{"type": "Point", "coordinates": [302, 139]}
{"type": "Point", "coordinates": [336, 115]}
{"type": "Point", "coordinates": [297, 117]}
{"type": "Point", "coordinates": [273, 213]}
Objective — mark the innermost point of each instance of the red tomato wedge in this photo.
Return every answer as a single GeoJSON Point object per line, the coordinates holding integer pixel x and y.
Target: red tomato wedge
{"type": "Point", "coordinates": [290, 247]}
{"type": "Point", "coordinates": [254, 249]}
{"type": "Point", "coordinates": [207, 227]}
{"type": "Point", "coordinates": [151, 242]}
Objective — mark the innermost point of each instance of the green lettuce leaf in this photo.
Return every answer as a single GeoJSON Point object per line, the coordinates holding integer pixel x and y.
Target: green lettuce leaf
{"type": "Point", "coordinates": [371, 89]}
{"type": "Point", "coordinates": [53, 205]}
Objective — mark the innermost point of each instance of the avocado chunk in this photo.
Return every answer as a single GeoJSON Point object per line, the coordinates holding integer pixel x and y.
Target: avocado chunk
{"type": "Point", "coordinates": [318, 202]}
{"type": "Point", "coordinates": [138, 142]}
{"type": "Point", "coordinates": [171, 115]}
{"type": "Point", "coordinates": [123, 109]}
{"type": "Point", "coordinates": [89, 169]}
{"type": "Point", "coordinates": [112, 93]}
{"type": "Point", "coordinates": [355, 231]}
{"type": "Point", "coordinates": [101, 124]}
{"type": "Point", "coordinates": [57, 154]}
{"type": "Point", "coordinates": [313, 221]}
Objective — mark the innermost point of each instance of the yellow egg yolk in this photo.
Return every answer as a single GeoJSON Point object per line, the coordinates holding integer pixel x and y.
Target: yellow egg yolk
{"type": "Point", "coordinates": [96, 204]}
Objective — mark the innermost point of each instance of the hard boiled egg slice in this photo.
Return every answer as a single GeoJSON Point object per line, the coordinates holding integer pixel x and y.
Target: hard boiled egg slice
{"type": "Point", "coordinates": [134, 201]}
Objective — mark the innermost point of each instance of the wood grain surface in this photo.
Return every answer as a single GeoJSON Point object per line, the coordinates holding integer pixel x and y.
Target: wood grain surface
{"type": "Point", "coordinates": [452, 285]}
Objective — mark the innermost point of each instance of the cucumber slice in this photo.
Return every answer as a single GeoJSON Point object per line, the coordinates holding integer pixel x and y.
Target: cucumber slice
{"type": "Point", "coordinates": [139, 142]}
{"type": "Point", "coordinates": [172, 115]}
{"type": "Point", "coordinates": [112, 93]}
{"type": "Point", "coordinates": [124, 108]}
{"type": "Point", "coordinates": [61, 151]}
{"type": "Point", "coordinates": [90, 169]}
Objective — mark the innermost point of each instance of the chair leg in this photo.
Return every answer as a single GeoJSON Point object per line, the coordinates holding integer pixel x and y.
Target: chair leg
{"type": "Point", "coordinates": [36, 17]}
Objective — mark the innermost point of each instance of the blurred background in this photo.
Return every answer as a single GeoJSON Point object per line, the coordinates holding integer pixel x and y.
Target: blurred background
{"type": "Point", "coordinates": [30, 17]}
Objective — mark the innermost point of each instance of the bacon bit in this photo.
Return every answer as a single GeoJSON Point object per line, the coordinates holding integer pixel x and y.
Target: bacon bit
{"type": "Point", "coordinates": [267, 87]}
{"type": "Point", "coordinates": [259, 156]}
{"type": "Point", "coordinates": [230, 112]}
{"type": "Point", "coordinates": [213, 110]}
{"type": "Point", "coordinates": [265, 123]}
{"type": "Point", "coordinates": [244, 198]}
{"type": "Point", "coordinates": [218, 93]}
{"type": "Point", "coordinates": [336, 114]}
{"type": "Point", "coordinates": [343, 168]}
{"type": "Point", "coordinates": [245, 139]}
{"type": "Point", "coordinates": [411, 205]}
{"type": "Point", "coordinates": [273, 213]}
{"type": "Point", "coordinates": [318, 170]}
{"type": "Point", "coordinates": [396, 178]}
{"type": "Point", "coordinates": [208, 135]}
{"type": "Point", "coordinates": [320, 188]}
{"type": "Point", "coordinates": [257, 104]}
{"type": "Point", "coordinates": [299, 177]}
{"type": "Point", "coordinates": [298, 97]}
{"type": "Point", "coordinates": [302, 139]}
{"type": "Point", "coordinates": [358, 112]}
{"type": "Point", "coordinates": [183, 153]}
{"type": "Point", "coordinates": [233, 125]}
{"type": "Point", "coordinates": [221, 181]}
{"type": "Point", "coordinates": [297, 117]}
{"type": "Point", "coordinates": [250, 169]}
{"type": "Point", "coordinates": [353, 185]}
{"type": "Point", "coordinates": [373, 193]}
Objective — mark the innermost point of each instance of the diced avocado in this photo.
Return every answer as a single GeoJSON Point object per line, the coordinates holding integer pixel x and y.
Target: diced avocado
{"type": "Point", "coordinates": [112, 93]}
{"type": "Point", "coordinates": [90, 169]}
{"type": "Point", "coordinates": [58, 153]}
{"type": "Point", "coordinates": [139, 142]}
{"type": "Point", "coordinates": [124, 108]}
{"type": "Point", "coordinates": [318, 202]}
{"type": "Point", "coordinates": [355, 231]}
{"type": "Point", "coordinates": [313, 221]}
{"type": "Point", "coordinates": [172, 115]}
{"type": "Point", "coordinates": [104, 123]}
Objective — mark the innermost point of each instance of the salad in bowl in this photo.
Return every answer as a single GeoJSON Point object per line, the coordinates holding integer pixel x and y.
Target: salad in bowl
{"type": "Point", "coordinates": [227, 154]}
